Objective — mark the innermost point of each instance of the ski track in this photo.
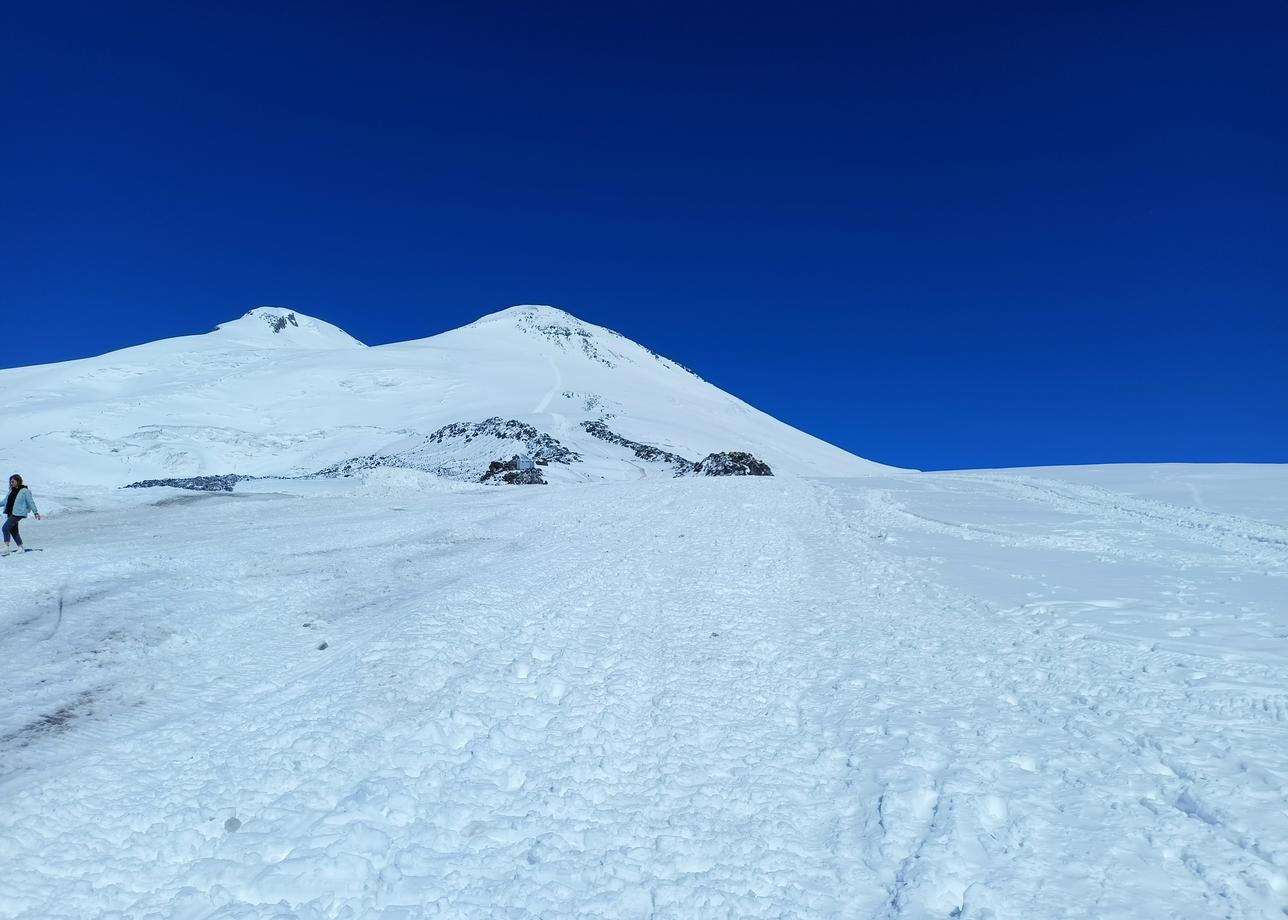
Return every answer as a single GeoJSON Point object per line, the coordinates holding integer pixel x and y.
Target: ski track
{"type": "Point", "coordinates": [1256, 542]}
{"type": "Point", "coordinates": [750, 698]}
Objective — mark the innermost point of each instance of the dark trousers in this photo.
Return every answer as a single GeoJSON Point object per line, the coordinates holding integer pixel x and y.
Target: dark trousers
{"type": "Point", "coordinates": [10, 529]}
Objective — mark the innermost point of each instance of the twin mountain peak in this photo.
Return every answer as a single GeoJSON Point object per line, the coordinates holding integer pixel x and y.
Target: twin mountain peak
{"type": "Point", "coordinates": [524, 394]}
{"type": "Point", "coordinates": [283, 326]}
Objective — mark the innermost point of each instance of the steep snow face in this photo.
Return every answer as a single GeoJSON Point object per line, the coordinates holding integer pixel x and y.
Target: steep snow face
{"type": "Point", "coordinates": [277, 392]}
{"type": "Point", "coordinates": [573, 372]}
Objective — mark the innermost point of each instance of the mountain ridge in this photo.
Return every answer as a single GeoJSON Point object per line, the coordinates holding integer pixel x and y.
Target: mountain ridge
{"type": "Point", "coordinates": [279, 392]}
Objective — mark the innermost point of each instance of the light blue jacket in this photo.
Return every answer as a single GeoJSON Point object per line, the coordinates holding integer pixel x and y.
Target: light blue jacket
{"type": "Point", "coordinates": [23, 505]}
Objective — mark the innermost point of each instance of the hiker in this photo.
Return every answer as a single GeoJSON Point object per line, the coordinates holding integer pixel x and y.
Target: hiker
{"type": "Point", "coordinates": [17, 505]}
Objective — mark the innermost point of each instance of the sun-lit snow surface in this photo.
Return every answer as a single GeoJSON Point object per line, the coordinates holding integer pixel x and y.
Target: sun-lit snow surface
{"type": "Point", "coordinates": [998, 694]}
{"type": "Point", "coordinates": [280, 393]}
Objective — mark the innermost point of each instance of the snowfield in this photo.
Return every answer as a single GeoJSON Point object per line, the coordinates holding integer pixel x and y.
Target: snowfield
{"type": "Point", "coordinates": [1034, 694]}
{"type": "Point", "coordinates": [362, 685]}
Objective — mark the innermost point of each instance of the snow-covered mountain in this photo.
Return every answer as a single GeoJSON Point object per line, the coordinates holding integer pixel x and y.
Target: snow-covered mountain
{"type": "Point", "coordinates": [389, 692]}
{"type": "Point", "coordinates": [278, 393]}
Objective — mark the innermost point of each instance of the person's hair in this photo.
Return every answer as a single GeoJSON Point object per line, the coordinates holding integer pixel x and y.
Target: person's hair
{"type": "Point", "coordinates": [17, 477]}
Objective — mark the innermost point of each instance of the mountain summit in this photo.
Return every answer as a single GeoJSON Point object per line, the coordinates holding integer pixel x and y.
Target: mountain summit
{"type": "Point", "coordinates": [283, 327]}
{"type": "Point", "coordinates": [280, 393]}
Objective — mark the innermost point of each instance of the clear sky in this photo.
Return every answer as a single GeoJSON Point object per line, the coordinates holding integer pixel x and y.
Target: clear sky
{"type": "Point", "coordinates": [937, 235]}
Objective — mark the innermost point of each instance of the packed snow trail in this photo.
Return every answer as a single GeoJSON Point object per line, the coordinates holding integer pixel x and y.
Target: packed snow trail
{"type": "Point", "coordinates": [910, 696]}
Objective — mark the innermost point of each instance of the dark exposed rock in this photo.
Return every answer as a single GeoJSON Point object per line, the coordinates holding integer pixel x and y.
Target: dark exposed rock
{"type": "Point", "coordinates": [278, 323]}
{"type": "Point", "coordinates": [508, 471]}
{"type": "Point", "coordinates": [225, 483]}
{"type": "Point", "coordinates": [591, 402]}
{"type": "Point", "coordinates": [579, 337]}
{"type": "Point", "coordinates": [731, 463]}
{"type": "Point", "coordinates": [439, 452]}
{"type": "Point", "coordinates": [537, 444]}
{"type": "Point", "coordinates": [566, 335]}
{"type": "Point", "coordinates": [648, 452]}
{"type": "Point", "coordinates": [524, 478]}
{"type": "Point", "coordinates": [727, 463]}
{"type": "Point", "coordinates": [668, 362]}
{"type": "Point", "coordinates": [597, 345]}
{"type": "Point", "coordinates": [346, 468]}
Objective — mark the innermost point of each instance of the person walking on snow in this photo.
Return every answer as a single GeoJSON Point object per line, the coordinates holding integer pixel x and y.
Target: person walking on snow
{"type": "Point", "coordinates": [17, 505]}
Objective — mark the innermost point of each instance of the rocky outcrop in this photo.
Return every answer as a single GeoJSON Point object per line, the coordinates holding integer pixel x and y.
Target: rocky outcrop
{"type": "Point", "coordinates": [278, 322]}
{"type": "Point", "coordinates": [592, 401]}
{"type": "Point", "coordinates": [460, 451]}
{"type": "Point", "coordinates": [508, 471]}
{"type": "Point", "coordinates": [648, 452]}
{"type": "Point", "coordinates": [731, 463]}
{"type": "Point", "coordinates": [225, 483]}
{"type": "Point", "coordinates": [725, 463]}
{"type": "Point", "coordinates": [667, 362]}
{"type": "Point", "coordinates": [354, 465]}
{"type": "Point", "coordinates": [538, 445]}
{"type": "Point", "coordinates": [463, 451]}
{"type": "Point", "coordinates": [567, 332]}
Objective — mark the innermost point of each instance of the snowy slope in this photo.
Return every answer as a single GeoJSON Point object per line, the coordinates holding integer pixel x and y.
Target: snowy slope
{"type": "Point", "coordinates": [841, 692]}
{"type": "Point", "coordinates": [1247, 489]}
{"type": "Point", "coordinates": [968, 695]}
{"type": "Point", "coordinates": [279, 393]}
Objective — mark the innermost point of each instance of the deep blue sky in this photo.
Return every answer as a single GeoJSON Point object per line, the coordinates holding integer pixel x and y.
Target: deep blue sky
{"type": "Point", "coordinates": [938, 235]}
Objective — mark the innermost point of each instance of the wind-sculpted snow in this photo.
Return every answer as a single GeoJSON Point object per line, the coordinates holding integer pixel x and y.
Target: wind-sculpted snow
{"type": "Point", "coordinates": [909, 696]}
